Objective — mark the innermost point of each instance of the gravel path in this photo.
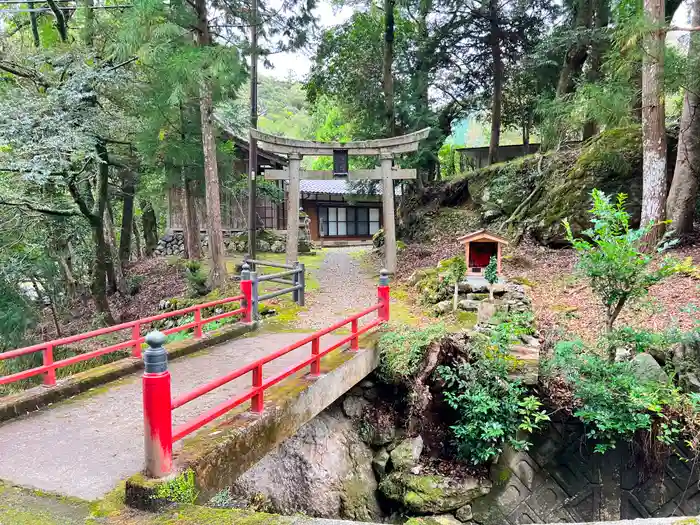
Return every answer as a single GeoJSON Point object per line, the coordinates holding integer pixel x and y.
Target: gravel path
{"type": "Point", "coordinates": [343, 289]}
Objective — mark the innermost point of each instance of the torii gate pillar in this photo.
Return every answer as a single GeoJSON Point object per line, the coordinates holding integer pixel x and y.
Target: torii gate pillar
{"type": "Point", "coordinates": [387, 160]}
{"type": "Point", "coordinates": [386, 149]}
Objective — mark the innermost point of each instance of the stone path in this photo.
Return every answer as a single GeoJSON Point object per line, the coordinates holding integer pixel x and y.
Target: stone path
{"type": "Point", "coordinates": [84, 446]}
{"type": "Point", "coordinates": [343, 289]}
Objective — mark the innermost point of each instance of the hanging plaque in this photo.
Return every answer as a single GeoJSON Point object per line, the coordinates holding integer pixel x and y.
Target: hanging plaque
{"type": "Point", "coordinates": [340, 163]}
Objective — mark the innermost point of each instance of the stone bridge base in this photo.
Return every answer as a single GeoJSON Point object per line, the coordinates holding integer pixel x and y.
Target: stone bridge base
{"type": "Point", "coordinates": [219, 454]}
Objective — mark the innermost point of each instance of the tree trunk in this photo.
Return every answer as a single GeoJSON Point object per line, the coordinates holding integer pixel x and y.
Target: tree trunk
{"type": "Point", "coordinates": [217, 272]}
{"type": "Point", "coordinates": [388, 77]}
{"type": "Point", "coordinates": [115, 273]}
{"type": "Point", "coordinates": [128, 190]}
{"type": "Point", "coordinates": [682, 197]}
{"type": "Point", "coordinates": [595, 60]}
{"type": "Point", "coordinates": [578, 52]}
{"type": "Point", "coordinates": [654, 183]}
{"type": "Point", "coordinates": [150, 227]}
{"type": "Point", "coordinates": [99, 271]}
{"type": "Point", "coordinates": [34, 25]}
{"type": "Point", "coordinates": [138, 247]}
{"type": "Point", "coordinates": [497, 82]}
{"type": "Point", "coordinates": [88, 31]}
{"type": "Point", "coordinates": [192, 244]}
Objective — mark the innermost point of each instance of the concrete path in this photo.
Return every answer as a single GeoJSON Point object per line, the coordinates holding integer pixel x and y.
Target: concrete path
{"type": "Point", "coordinates": [84, 446]}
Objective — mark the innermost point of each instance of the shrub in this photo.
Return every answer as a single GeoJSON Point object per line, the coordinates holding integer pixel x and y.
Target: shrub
{"type": "Point", "coordinates": [613, 258]}
{"type": "Point", "coordinates": [402, 350]}
{"type": "Point", "coordinates": [196, 279]}
{"type": "Point", "coordinates": [491, 407]}
{"type": "Point", "coordinates": [491, 274]}
{"type": "Point", "coordinates": [181, 489]}
{"type": "Point", "coordinates": [610, 400]}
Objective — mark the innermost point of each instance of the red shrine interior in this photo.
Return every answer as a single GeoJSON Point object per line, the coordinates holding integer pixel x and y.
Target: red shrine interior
{"type": "Point", "coordinates": [480, 254]}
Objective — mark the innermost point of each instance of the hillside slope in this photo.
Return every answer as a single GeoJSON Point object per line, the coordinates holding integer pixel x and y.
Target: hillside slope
{"type": "Point", "coordinates": [533, 194]}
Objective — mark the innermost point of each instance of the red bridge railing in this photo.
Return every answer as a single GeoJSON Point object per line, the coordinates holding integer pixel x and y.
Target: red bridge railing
{"type": "Point", "coordinates": [158, 404]}
{"type": "Point", "coordinates": [50, 366]}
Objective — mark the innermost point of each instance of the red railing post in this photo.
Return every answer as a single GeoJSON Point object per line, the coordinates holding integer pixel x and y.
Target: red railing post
{"type": "Point", "coordinates": [50, 377]}
{"type": "Point", "coordinates": [355, 342]}
{"type": "Point", "coordinates": [257, 403]}
{"type": "Point", "coordinates": [157, 414]}
{"type": "Point", "coordinates": [247, 291]}
{"type": "Point", "coordinates": [135, 336]}
{"type": "Point", "coordinates": [315, 350]}
{"type": "Point", "coordinates": [383, 295]}
{"type": "Point", "coordinates": [198, 320]}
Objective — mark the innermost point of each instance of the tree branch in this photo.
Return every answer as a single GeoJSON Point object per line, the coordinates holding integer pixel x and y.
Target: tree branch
{"type": "Point", "coordinates": [40, 209]}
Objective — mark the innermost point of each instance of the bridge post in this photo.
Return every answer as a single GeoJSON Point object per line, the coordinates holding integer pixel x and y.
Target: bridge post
{"type": "Point", "coordinates": [383, 294]}
{"type": "Point", "coordinates": [157, 415]}
{"type": "Point", "coordinates": [254, 296]}
{"type": "Point", "coordinates": [247, 291]}
{"type": "Point", "coordinates": [300, 279]}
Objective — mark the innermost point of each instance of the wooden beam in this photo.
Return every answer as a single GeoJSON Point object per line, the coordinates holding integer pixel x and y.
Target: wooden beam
{"type": "Point", "coordinates": [370, 174]}
{"type": "Point", "coordinates": [393, 145]}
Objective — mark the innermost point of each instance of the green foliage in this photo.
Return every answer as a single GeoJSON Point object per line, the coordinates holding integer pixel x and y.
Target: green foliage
{"type": "Point", "coordinates": [181, 489]}
{"type": "Point", "coordinates": [402, 350]}
{"type": "Point", "coordinates": [196, 279]}
{"type": "Point", "coordinates": [456, 270]}
{"type": "Point", "coordinates": [612, 256]}
{"type": "Point", "coordinates": [491, 408]}
{"type": "Point", "coordinates": [491, 271]}
{"type": "Point", "coordinates": [610, 399]}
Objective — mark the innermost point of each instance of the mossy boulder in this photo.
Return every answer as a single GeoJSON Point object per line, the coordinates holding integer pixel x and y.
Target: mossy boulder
{"type": "Point", "coordinates": [431, 494]}
{"type": "Point", "coordinates": [407, 453]}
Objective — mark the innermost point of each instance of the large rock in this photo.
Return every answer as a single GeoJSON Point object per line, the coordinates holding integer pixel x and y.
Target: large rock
{"type": "Point", "coordinates": [325, 470]}
{"type": "Point", "coordinates": [354, 406]}
{"type": "Point", "coordinates": [647, 369]}
{"type": "Point", "coordinates": [443, 307]}
{"type": "Point", "coordinates": [379, 463]}
{"type": "Point", "coordinates": [464, 514]}
{"type": "Point", "coordinates": [407, 453]}
{"type": "Point", "coordinates": [433, 494]}
{"type": "Point", "coordinates": [468, 305]}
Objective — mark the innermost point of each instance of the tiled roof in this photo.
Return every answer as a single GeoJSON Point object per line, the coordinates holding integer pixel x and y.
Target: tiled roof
{"type": "Point", "coordinates": [334, 186]}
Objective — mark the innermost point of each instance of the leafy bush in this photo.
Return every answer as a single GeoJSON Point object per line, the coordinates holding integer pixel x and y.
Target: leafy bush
{"type": "Point", "coordinates": [610, 399]}
{"type": "Point", "coordinates": [181, 489]}
{"type": "Point", "coordinates": [491, 274]}
{"type": "Point", "coordinates": [402, 350]}
{"type": "Point", "coordinates": [196, 279]}
{"type": "Point", "coordinates": [491, 407]}
{"type": "Point", "coordinates": [613, 257]}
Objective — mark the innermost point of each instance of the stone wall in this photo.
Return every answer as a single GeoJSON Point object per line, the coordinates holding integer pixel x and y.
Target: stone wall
{"type": "Point", "coordinates": [173, 243]}
{"type": "Point", "coordinates": [561, 480]}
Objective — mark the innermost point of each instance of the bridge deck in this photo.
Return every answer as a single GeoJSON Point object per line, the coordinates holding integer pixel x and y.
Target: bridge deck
{"type": "Point", "coordinates": [84, 446]}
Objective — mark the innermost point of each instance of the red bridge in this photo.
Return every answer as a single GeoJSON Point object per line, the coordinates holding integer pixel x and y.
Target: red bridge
{"type": "Point", "coordinates": [84, 449]}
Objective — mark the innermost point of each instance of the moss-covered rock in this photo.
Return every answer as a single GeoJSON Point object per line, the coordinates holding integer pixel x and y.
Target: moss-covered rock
{"type": "Point", "coordinates": [432, 494]}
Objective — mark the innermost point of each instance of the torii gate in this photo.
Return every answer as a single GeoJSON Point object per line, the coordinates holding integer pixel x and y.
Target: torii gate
{"type": "Point", "coordinates": [386, 149]}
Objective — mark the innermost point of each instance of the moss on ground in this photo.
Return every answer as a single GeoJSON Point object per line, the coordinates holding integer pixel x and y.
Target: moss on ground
{"type": "Point", "coordinates": [19, 506]}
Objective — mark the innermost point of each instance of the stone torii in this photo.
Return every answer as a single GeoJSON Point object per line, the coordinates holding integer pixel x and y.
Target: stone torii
{"type": "Point", "coordinates": [386, 149]}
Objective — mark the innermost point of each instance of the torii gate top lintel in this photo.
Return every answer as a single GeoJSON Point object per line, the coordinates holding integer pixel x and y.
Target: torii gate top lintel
{"type": "Point", "coordinates": [393, 145]}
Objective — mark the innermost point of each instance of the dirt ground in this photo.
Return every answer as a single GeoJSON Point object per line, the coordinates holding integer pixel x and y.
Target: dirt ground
{"type": "Point", "coordinates": [562, 299]}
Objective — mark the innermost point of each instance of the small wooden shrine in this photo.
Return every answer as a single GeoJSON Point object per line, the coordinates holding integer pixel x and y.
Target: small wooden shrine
{"type": "Point", "coordinates": [479, 247]}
